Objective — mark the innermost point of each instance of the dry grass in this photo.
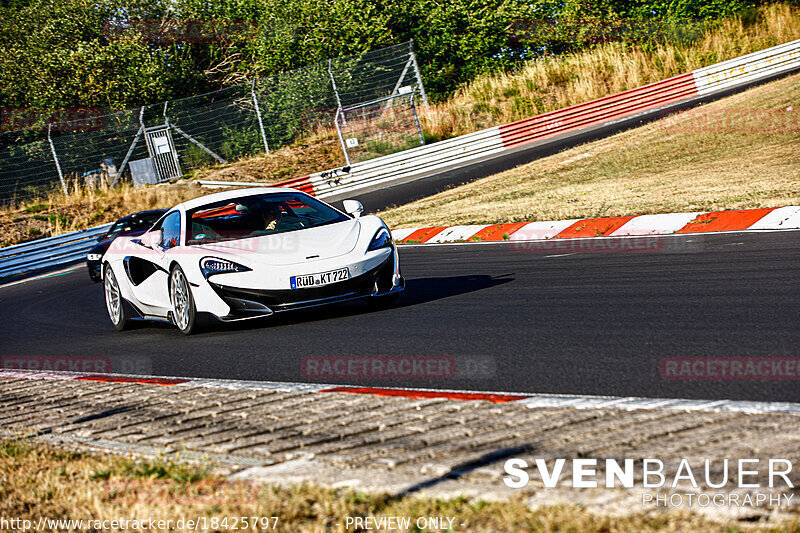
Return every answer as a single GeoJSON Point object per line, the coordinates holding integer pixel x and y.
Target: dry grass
{"type": "Point", "coordinates": [56, 214]}
{"type": "Point", "coordinates": [41, 481]}
{"type": "Point", "coordinates": [319, 151]}
{"type": "Point", "coordinates": [555, 83]}
{"type": "Point", "coordinates": [488, 101]}
{"type": "Point", "coordinates": [736, 153]}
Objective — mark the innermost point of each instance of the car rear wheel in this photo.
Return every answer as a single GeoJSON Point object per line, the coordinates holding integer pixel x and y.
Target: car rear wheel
{"type": "Point", "coordinates": [183, 309]}
{"type": "Point", "coordinates": [114, 303]}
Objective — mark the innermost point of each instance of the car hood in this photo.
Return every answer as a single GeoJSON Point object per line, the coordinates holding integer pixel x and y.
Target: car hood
{"type": "Point", "coordinates": [301, 246]}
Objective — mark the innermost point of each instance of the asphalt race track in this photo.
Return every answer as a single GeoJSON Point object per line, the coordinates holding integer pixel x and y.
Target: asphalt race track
{"type": "Point", "coordinates": [576, 317]}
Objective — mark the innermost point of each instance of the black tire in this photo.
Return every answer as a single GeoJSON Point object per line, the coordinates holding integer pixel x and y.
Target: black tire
{"type": "Point", "coordinates": [94, 276]}
{"type": "Point", "coordinates": [184, 314]}
{"type": "Point", "coordinates": [115, 304]}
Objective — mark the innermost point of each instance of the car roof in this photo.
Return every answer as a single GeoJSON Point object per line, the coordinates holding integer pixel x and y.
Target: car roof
{"type": "Point", "coordinates": [236, 193]}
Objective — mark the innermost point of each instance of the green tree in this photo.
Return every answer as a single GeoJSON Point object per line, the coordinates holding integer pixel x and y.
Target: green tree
{"type": "Point", "coordinates": [57, 53]}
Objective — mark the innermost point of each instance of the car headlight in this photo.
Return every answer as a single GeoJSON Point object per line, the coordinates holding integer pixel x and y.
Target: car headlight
{"type": "Point", "coordinates": [94, 257]}
{"type": "Point", "coordinates": [211, 265]}
{"type": "Point", "coordinates": [382, 239]}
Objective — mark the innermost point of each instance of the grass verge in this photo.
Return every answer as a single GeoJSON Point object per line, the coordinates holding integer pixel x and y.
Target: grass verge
{"type": "Point", "coordinates": [42, 481]}
{"type": "Point", "coordinates": [736, 153]}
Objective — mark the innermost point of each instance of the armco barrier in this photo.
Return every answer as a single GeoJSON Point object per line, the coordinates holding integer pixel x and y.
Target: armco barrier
{"type": "Point", "coordinates": [749, 68]}
{"type": "Point", "coordinates": [493, 142]}
{"type": "Point", "coordinates": [603, 110]}
{"type": "Point", "coordinates": [45, 254]}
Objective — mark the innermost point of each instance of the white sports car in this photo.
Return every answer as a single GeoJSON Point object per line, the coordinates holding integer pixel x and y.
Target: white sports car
{"type": "Point", "coordinates": [250, 253]}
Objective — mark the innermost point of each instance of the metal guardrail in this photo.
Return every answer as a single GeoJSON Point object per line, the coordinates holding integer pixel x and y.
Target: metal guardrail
{"type": "Point", "coordinates": [45, 254]}
{"type": "Point", "coordinates": [539, 130]}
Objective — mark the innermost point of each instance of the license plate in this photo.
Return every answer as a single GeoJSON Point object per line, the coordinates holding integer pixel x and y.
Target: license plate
{"type": "Point", "coordinates": [317, 280]}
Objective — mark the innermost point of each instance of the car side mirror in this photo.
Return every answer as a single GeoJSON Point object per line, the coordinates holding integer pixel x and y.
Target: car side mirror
{"type": "Point", "coordinates": [152, 238]}
{"type": "Point", "coordinates": [353, 208]}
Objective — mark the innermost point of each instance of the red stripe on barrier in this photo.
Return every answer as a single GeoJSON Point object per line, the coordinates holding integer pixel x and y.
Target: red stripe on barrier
{"type": "Point", "coordinates": [120, 379]}
{"type": "Point", "coordinates": [725, 220]}
{"type": "Point", "coordinates": [301, 184]}
{"type": "Point", "coordinates": [598, 111]}
{"type": "Point", "coordinates": [593, 227]}
{"type": "Point", "coordinates": [425, 394]}
{"type": "Point", "coordinates": [497, 232]}
{"type": "Point", "coordinates": [423, 235]}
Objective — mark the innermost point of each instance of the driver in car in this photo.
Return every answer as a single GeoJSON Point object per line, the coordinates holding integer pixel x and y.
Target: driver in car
{"type": "Point", "coordinates": [271, 214]}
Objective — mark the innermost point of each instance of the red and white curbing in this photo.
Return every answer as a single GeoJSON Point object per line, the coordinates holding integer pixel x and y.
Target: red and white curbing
{"type": "Point", "coordinates": [533, 400]}
{"type": "Point", "coordinates": [771, 218]}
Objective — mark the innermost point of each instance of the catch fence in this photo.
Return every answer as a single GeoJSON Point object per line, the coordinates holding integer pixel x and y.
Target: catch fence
{"type": "Point", "coordinates": [159, 142]}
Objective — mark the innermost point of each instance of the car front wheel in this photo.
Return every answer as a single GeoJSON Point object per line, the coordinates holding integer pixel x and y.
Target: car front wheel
{"type": "Point", "coordinates": [183, 309]}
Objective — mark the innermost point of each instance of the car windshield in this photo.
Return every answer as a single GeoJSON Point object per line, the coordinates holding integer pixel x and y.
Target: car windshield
{"type": "Point", "coordinates": [137, 222]}
{"type": "Point", "coordinates": [256, 216]}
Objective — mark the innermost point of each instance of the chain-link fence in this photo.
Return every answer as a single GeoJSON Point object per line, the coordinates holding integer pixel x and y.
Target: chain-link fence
{"type": "Point", "coordinates": [158, 142]}
{"type": "Point", "coordinates": [379, 127]}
